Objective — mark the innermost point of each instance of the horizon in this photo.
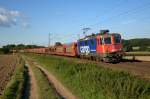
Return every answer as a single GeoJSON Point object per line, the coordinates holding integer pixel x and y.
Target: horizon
{"type": "Point", "coordinates": [30, 22]}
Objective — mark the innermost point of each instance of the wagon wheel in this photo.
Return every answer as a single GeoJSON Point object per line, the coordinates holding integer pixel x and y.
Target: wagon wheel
{"type": "Point", "coordinates": [81, 56]}
{"type": "Point", "coordinates": [97, 59]}
{"type": "Point", "coordinates": [106, 60]}
{"type": "Point", "coordinates": [91, 58]}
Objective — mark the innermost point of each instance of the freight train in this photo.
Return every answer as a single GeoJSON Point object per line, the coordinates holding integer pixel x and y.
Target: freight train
{"type": "Point", "coordinates": [103, 46]}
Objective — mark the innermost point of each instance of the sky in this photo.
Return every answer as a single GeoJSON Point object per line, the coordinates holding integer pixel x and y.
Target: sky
{"type": "Point", "coordinates": [31, 21]}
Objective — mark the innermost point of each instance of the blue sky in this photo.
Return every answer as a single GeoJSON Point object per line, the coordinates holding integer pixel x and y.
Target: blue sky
{"type": "Point", "coordinates": [30, 21]}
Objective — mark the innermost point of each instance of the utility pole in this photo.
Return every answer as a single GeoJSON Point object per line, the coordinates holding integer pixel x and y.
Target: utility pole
{"type": "Point", "coordinates": [49, 38]}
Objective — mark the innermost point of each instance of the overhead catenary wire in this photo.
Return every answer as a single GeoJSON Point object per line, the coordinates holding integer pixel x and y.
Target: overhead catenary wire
{"type": "Point", "coordinates": [117, 6]}
{"type": "Point", "coordinates": [114, 8]}
{"type": "Point", "coordinates": [123, 13]}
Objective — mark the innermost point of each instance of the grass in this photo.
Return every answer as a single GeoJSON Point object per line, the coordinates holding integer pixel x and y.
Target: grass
{"type": "Point", "coordinates": [14, 89]}
{"type": "Point", "coordinates": [45, 90]}
{"type": "Point", "coordinates": [88, 81]}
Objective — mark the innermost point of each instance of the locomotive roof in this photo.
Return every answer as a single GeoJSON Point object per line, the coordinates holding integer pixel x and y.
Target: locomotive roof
{"type": "Point", "coordinates": [98, 34]}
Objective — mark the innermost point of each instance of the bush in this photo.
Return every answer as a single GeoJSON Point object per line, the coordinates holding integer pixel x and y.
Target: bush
{"type": "Point", "coordinates": [6, 50]}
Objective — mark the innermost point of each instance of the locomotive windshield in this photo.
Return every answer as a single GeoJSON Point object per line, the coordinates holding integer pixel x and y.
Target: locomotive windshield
{"type": "Point", "coordinates": [107, 40]}
{"type": "Point", "coordinates": [117, 39]}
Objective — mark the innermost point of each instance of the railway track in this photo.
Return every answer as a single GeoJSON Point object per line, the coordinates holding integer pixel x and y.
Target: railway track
{"type": "Point", "coordinates": [140, 58]}
{"type": "Point", "coordinates": [140, 69]}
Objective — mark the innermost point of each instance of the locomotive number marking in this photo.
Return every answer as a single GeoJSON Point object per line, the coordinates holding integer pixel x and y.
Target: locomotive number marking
{"type": "Point", "coordinates": [85, 49]}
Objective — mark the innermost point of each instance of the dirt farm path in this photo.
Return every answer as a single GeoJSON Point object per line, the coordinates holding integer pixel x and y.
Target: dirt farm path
{"type": "Point", "coordinates": [58, 86]}
{"type": "Point", "coordinates": [62, 90]}
{"type": "Point", "coordinates": [33, 84]}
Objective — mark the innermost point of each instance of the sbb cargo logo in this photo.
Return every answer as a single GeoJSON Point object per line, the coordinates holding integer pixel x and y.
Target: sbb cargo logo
{"type": "Point", "coordinates": [85, 49]}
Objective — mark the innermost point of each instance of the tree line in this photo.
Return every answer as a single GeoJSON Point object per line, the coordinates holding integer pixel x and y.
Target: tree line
{"type": "Point", "coordinates": [142, 44]}
{"type": "Point", "coordinates": [10, 47]}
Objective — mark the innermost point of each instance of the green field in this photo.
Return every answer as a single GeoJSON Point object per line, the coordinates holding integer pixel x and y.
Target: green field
{"type": "Point", "coordinates": [88, 81]}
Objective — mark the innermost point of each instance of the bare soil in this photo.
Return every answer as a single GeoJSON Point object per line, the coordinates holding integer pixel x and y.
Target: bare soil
{"type": "Point", "coordinates": [7, 67]}
{"type": "Point", "coordinates": [33, 84]}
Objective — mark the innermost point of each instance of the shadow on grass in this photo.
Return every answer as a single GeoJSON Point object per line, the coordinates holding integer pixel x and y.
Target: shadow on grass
{"type": "Point", "coordinates": [26, 85]}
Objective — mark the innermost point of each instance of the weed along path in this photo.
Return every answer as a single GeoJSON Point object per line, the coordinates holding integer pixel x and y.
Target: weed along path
{"type": "Point", "coordinates": [63, 91]}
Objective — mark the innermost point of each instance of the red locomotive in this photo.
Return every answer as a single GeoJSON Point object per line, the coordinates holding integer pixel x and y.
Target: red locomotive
{"type": "Point", "coordinates": [109, 47]}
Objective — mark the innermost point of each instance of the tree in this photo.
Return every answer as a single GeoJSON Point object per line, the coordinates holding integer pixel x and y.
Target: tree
{"type": "Point", "coordinates": [58, 44]}
{"type": "Point", "coordinates": [6, 50]}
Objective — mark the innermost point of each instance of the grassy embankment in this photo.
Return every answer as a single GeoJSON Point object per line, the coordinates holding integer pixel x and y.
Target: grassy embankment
{"type": "Point", "coordinates": [45, 89]}
{"type": "Point", "coordinates": [88, 81]}
{"type": "Point", "coordinates": [15, 88]}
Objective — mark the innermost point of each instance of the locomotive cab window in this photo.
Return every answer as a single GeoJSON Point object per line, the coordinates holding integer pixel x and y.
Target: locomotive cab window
{"type": "Point", "coordinates": [107, 40]}
{"type": "Point", "coordinates": [117, 39]}
{"type": "Point", "coordinates": [100, 41]}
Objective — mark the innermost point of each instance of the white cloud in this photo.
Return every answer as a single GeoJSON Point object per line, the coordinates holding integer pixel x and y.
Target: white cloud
{"type": "Point", "coordinates": [10, 18]}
